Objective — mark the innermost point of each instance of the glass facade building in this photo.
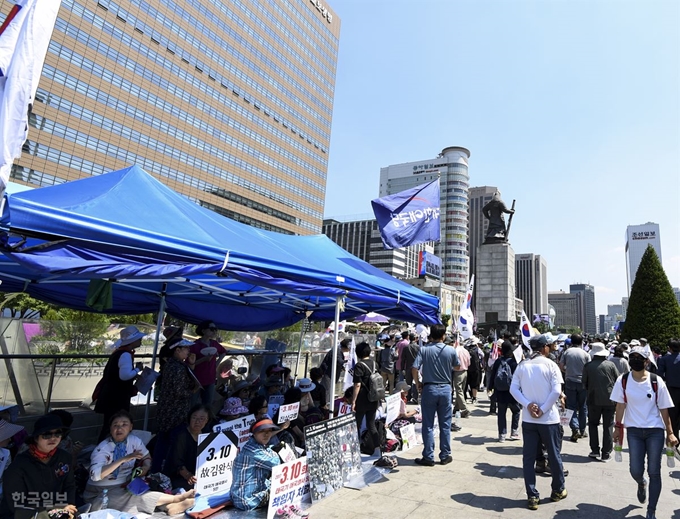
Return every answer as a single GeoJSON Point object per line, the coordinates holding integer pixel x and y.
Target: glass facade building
{"type": "Point", "coordinates": [228, 103]}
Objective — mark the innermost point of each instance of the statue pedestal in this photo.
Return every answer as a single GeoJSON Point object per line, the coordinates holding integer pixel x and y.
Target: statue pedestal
{"type": "Point", "coordinates": [495, 283]}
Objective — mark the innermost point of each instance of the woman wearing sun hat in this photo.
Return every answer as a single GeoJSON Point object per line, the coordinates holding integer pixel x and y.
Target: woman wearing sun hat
{"type": "Point", "coordinates": [252, 469]}
{"type": "Point", "coordinates": [40, 478]}
{"type": "Point", "coordinates": [117, 385]}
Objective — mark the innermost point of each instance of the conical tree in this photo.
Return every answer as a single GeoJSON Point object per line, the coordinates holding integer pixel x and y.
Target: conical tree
{"type": "Point", "coordinates": [653, 311]}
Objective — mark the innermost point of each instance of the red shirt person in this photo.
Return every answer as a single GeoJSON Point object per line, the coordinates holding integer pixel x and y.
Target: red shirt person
{"type": "Point", "coordinates": [207, 352]}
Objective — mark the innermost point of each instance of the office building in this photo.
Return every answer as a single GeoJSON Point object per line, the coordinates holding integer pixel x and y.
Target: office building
{"type": "Point", "coordinates": [451, 167]}
{"type": "Point", "coordinates": [676, 291]}
{"type": "Point", "coordinates": [588, 319]}
{"type": "Point", "coordinates": [568, 309]}
{"type": "Point", "coordinates": [531, 283]}
{"type": "Point", "coordinates": [362, 238]}
{"type": "Point", "coordinates": [228, 103]}
{"type": "Point", "coordinates": [478, 197]}
{"type": "Point", "coordinates": [637, 239]}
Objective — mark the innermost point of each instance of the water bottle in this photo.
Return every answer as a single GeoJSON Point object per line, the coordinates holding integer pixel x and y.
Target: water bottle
{"type": "Point", "coordinates": [456, 420]}
{"type": "Point", "coordinates": [618, 449]}
{"type": "Point", "coordinates": [105, 499]}
{"type": "Point", "coordinates": [670, 457]}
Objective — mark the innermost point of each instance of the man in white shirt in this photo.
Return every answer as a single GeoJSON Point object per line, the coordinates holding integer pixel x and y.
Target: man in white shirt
{"type": "Point", "coordinates": [537, 386]}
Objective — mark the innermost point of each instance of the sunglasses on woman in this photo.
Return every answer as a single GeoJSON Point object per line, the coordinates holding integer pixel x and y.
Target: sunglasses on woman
{"type": "Point", "coordinates": [52, 434]}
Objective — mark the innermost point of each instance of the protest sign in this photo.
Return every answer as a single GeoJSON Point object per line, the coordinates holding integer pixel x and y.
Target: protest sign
{"type": "Point", "coordinates": [393, 402]}
{"type": "Point", "coordinates": [289, 412]}
{"type": "Point", "coordinates": [408, 436]}
{"type": "Point", "coordinates": [216, 454]}
{"type": "Point", "coordinates": [333, 455]}
{"type": "Point", "coordinates": [274, 402]}
{"type": "Point", "coordinates": [240, 427]}
{"type": "Point", "coordinates": [290, 486]}
{"type": "Point", "coordinates": [344, 408]}
{"type": "Point", "coordinates": [146, 379]}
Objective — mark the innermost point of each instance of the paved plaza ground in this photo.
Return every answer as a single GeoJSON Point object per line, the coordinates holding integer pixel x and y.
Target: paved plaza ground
{"type": "Point", "coordinates": [485, 481]}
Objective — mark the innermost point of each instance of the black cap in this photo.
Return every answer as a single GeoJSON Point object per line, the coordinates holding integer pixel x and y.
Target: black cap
{"type": "Point", "coordinates": [537, 342]}
{"type": "Point", "coordinates": [46, 423]}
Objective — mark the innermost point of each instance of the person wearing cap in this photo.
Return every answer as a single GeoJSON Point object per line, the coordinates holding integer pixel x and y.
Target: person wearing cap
{"type": "Point", "coordinates": [7, 431]}
{"type": "Point", "coordinates": [537, 386]}
{"type": "Point", "coordinates": [572, 362]}
{"type": "Point", "coordinates": [252, 468]}
{"type": "Point", "coordinates": [504, 400]}
{"type": "Point", "coordinates": [599, 377]}
{"type": "Point", "coordinates": [208, 352]}
{"type": "Point", "coordinates": [669, 370]}
{"type": "Point", "coordinates": [41, 478]}
{"type": "Point", "coordinates": [642, 408]}
{"type": "Point", "coordinates": [117, 384]}
{"type": "Point", "coordinates": [437, 361]}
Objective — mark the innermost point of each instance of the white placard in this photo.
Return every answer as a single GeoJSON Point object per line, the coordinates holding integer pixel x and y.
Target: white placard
{"type": "Point", "coordinates": [289, 412]}
{"type": "Point", "coordinates": [409, 438]}
{"type": "Point", "coordinates": [273, 404]}
{"type": "Point", "coordinates": [240, 427]}
{"type": "Point", "coordinates": [216, 454]}
{"type": "Point", "coordinates": [290, 486]}
{"type": "Point", "coordinates": [393, 404]}
{"type": "Point", "coordinates": [344, 408]}
{"type": "Point", "coordinates": [287, 454]}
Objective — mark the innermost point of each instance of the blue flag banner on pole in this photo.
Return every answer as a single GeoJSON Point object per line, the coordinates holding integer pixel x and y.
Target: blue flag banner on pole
{"type": "Point", "coordinates": [409, 217]}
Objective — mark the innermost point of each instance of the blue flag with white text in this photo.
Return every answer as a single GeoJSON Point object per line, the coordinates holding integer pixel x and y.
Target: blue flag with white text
{"type": "Point", "coordinates": [409, 217]}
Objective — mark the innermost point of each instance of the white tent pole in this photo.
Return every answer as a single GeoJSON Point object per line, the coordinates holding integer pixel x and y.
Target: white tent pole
{"type": "Point", "coordinates": [159, 324]}
{"type": "Point", "coordinates": [334, 367]}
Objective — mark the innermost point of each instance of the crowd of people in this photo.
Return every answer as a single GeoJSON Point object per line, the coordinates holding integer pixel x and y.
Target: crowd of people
{"type": "Point", "coordinates": [609, 386]}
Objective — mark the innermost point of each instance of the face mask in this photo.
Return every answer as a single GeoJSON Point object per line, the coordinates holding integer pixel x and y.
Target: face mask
{"type": "Point", "coordinates": [636, 363]}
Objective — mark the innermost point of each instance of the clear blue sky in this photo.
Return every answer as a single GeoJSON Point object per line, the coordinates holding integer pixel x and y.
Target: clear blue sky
{"type": "Point", "coordinates": [570, 107]}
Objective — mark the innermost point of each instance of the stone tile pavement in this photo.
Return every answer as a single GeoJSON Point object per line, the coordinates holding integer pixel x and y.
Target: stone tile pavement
{"type": "Point", "coordinates": [485, 481]}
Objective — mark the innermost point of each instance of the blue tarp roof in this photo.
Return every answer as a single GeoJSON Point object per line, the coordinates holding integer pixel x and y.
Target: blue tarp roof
{"type": "Point", "coordinates": [129, 227]}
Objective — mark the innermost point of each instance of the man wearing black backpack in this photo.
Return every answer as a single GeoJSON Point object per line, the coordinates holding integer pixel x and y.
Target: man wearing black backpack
{"type": "Point", "coordinates": [500, 379]}
{"type": "Point", "coordinates": [437, 361]}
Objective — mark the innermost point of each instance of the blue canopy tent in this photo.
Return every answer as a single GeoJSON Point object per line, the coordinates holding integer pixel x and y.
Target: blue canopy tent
{"type": "Point", "coordinates": [154, 244]}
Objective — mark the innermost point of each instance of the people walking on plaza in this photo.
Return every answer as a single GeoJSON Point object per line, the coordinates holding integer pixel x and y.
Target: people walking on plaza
{"type": "Point", "coordinates": [669, 370]}
{"type": "Point", "coordinates": [387, 358]}
{"type": "Point", "coordinates": [500, 379]}
{"type": "Point", "coordinates": [460, 379]}
{"type": "Point", "coordinates": [572, 362]}
{"type": "Point", "coordinates": [599, 377]}
{"type": "Point", "coordinates": [537, 386]}
{"type": "Point", "coordinates": [474, 372]}
{"type": "Point", "coordinates": [408, 356]}
{"type": "Point", "coordinates": [437, 362]}
{"type": "Point", "coordinates": [642, 404]}
{"type": "Point", "coordinates": [619, 358]}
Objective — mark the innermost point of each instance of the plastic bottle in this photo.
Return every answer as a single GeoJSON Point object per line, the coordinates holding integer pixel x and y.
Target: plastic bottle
{"type": "Point", "coordinates": [456, 420]}
{"type": "Point", "coordinates": [618, 449]}
{"type": "Point", "coordinates": [670, 457]}
{"type": "Point", "coordinates": [105, 499]}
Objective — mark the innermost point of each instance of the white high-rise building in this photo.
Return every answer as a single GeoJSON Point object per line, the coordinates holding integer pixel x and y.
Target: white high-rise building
{"type": "Point", "coordinates": [531, 283]}
{"type": "Point", "coordinates": [637, 239]}
{"type": "Point", "coordinates": [451, 166]}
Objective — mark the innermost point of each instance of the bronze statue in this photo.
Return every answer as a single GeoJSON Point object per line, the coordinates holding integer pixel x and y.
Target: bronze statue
{"type": "Point", "coordinates": [493, 211]}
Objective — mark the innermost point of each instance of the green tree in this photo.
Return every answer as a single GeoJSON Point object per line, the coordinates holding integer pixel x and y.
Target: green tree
{"type": "Point", "coordinates": [74, 328]}
{"type": "Point", "coordinates": [653, 311]}
{"type": "Point", "coordinates": [23, 306]}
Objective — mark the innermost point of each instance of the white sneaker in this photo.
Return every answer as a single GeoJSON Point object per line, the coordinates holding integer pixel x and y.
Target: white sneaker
{"type": "Point", "coordinates": [501, 438]}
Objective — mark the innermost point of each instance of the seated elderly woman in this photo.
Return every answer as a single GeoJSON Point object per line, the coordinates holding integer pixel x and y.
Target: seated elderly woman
{"type": "Point", "coordinates": [252, 469]}
{"type": "Point", "coordinates": [41, 478]}
{"type": "Point", "coordinates": [113, 461]}
{"type": "Point", "coordinates": [181, 463]}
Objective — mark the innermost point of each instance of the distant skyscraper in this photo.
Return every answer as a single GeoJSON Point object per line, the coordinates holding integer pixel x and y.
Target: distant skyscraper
{"type": "Point", "coordinates": [531, 283]}
{"type": "Point", "coordinates": [568, 308]}
{"type": "Point", "coordinates": [451, 166]}
{"type": "Point", "coordinates": [676, 291]}
{"type": "Point", "coordinates": [478, 197]}
{"type": "Point", "coordinates": [588, 318]}
{"type": "Point", "coordinates": [637, 239]}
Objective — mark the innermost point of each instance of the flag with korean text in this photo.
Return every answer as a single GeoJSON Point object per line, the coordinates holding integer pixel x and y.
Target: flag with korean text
{"type": "Point", "coordinates": [24, 37]}
{"type": "Point", "coordinates": [349, 367]}
{"type": "Point", "coordinates": [466, 319]}
{"type": "Point", "coordinates": [409, 217]}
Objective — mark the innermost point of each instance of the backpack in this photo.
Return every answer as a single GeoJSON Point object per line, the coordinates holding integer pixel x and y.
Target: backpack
{"type": "Point", "coordinates": [653, 380]}
{"type": "Point", "coordinates": [376, 386]}
{"type": "Point", "coordinates": [366, 441]}
{"type": "Point", "coordinates": [503, 377]}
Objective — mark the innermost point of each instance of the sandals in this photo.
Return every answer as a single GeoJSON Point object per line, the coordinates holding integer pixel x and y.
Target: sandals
{"type": "Point", "coordinates": [387, 462]}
